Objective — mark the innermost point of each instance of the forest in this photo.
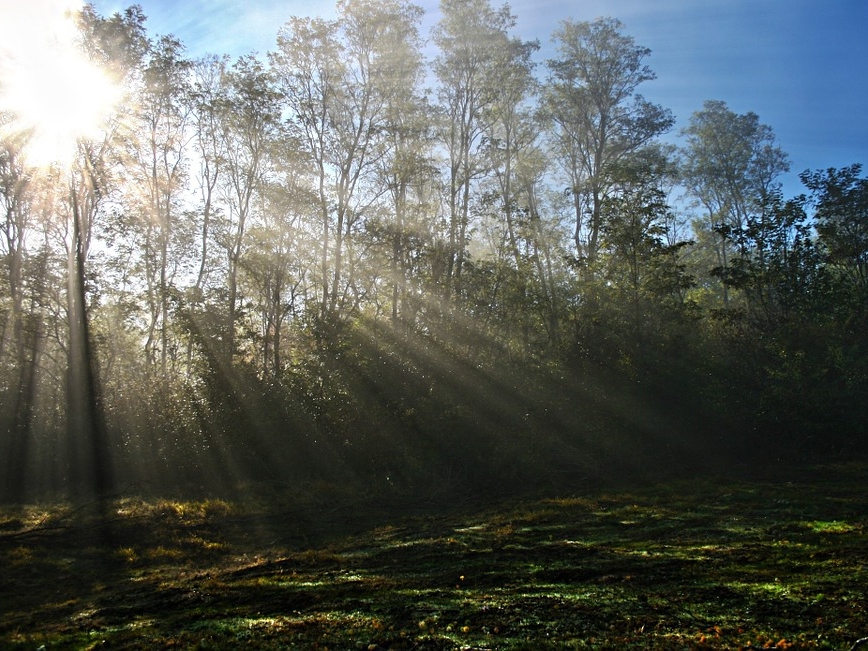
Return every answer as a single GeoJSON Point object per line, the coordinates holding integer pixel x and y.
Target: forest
{"type": "Point", "coordinates": [375, 261]}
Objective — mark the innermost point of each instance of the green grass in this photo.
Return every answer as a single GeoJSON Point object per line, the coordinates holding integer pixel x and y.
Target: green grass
{"type": "Point", "coordinates": [700, 564]}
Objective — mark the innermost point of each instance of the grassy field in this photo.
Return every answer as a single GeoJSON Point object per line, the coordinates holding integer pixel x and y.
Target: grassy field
{"type": "Point", "coordinates": [766, 563]}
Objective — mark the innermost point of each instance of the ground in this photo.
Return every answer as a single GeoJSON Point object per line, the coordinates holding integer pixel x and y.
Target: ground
{"type": "Point", "coordinates": [765, 563]}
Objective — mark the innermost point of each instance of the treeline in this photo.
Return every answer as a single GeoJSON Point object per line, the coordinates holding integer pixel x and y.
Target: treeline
{"type": "Point", "coordinates": [308, 268]}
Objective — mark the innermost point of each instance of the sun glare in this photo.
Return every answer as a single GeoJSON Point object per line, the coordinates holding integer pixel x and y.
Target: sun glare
{"type": "Point", "coordinates": [53, 93]}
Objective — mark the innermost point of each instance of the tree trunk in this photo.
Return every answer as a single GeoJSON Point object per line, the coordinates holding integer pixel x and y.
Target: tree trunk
{"type": "Point", "coordinates": [92, 470]}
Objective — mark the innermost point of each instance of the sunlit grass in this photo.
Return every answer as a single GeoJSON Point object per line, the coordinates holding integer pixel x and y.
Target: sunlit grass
{"type": "Point", "coordinates": [195, 510]}
{"type": "Point", "coordinates": [128, 554]}
{"type": "Point", "coordinates": [163, 553]}
{"type": "Point", "coordinates": [722, 568]}
{"type": "Point", "coordinates": [835, 526]}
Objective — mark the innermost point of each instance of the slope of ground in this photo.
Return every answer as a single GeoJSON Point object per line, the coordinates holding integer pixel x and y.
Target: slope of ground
{"type": "Point", "coordinates": [704, 564]}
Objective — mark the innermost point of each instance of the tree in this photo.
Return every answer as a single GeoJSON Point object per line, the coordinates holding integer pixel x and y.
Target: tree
{"type": "Point", "coordinates": [637, 288]}
{"type": "Point", "coordinates": [512, 132]}
{"type": "Point", "coordinates": [798, 328]}
{"type": "Point", "coordinates": [250, 121]}
{"type": "Point", "coordinates": [158, 167]}
{"type": "Point", "coordinates": [729, 165]}
{"type": "Point", "coordinates": [597, 118]}
{"type": "Point", "coordinates": [115, 45]}
{"type": "Point", "coordinates": [406, 166]}
{"type": "Point", "coordinates": [472, 37]}
{"type": "Point", "coordinates": [91, 466]}
{"type": "Point", "coordinates": [512, 150]}
{"type": "Point", "coordinates": [339, 79]}
{"type": "Point", "coordinates": [382, 41]}
{"type": "Point", "coordinates": [309, 69]}
{"type": "Point", "coordinates": [841, 200]}
{"type": "Point", "coordinates": [207, 98]}
{"type": "Point", "coordinates": [278, 263]}
{"type": "Point", "coordinates": [23, 328]}
{"type": "Point", "coordinates": [545, 241]}
{"type": "Point", "coordinates": [779, 266]}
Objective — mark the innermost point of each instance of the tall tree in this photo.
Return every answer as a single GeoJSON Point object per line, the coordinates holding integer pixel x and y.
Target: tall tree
{"type": "Point", "coordinates": [512, 132]}
{"type": "Point", "coordinates": [91, 464]}
{"type": "Point", "coordinates": [158, 167]}
{"type": "Point", "coordinates": [250, 120]}
{"type": "Point", "coordinates": [545, 244]}
{"type": "Point", "coordinates": [309, 69]}
{"type": "Point", "coordinates": [640, 278]}
{"type": "Point", "coordinates": [472, 37]}
{"type": "Point", "coordinates": [15, 202]}
{"type": "Point", "coordinates": [730, 165]}
{"type": "Point", "coordinates": [779, 265]}
{"type": "Point", "coordinates": [116, 45]}
{"type": "Point", "coordinates": [382, 42]}
{"type": "Point", "coordinates": [841, 200]}
{"type": "Point", "coordinates": [339, 78]}
{"type": "Point", "coordinates": [22, 327]}
{"type": "Point", "coordinates": [597, 117]}
{"type": "Point", "coordinates": [279, 262]}
{"type": "Point", "coordinates": [406, 166]}
{"type": "Point", "coordinates": [207, 99]}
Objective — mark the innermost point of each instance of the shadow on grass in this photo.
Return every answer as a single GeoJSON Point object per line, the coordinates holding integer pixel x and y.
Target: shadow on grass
{"type": "Point", "coordinates": [681, 565]}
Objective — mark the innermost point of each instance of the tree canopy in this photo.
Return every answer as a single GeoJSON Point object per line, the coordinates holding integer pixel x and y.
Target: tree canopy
{"type": "Point", "coordinates": [310, 266]}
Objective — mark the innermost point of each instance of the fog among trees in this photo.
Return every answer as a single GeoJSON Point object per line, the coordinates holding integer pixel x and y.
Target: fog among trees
{"type": "Point", "coordinates": [363, 261]}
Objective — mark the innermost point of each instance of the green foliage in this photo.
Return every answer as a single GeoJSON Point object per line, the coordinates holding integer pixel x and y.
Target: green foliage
{"type": "Point", "coordinates": [599, 119]}
{"type": "Point", "coordinates": [306, 268]}
{"type": "Point", "coordinates": [841, 200]}
{"type": "Point", "coordinates": [800, 386]}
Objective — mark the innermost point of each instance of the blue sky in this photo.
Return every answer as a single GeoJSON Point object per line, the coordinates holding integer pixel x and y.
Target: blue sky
{"type": "Point", "coordinates": [799, 64]}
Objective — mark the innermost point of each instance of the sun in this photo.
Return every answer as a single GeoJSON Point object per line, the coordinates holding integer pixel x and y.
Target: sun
{"type": "Point", "coordinates": [54, 95]}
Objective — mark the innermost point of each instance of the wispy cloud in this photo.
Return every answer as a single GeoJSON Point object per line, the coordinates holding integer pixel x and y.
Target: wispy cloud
{"type": "Point", "coordinates": [222, 26]}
